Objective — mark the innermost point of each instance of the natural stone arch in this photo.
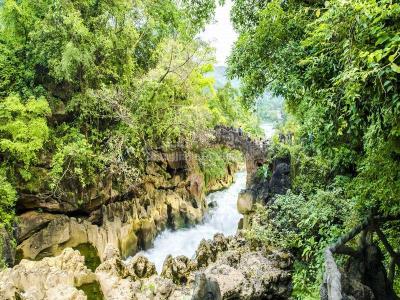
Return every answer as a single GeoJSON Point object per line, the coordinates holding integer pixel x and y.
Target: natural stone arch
{"type": "Point", "coordinates": [255, 152]}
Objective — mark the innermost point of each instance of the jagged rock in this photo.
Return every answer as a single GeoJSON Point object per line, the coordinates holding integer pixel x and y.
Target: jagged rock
{"type": "Point", "coordinates": [141, 267]}
{"type": "Point", "coordinates": [239, 271]}
{"type": "Point", "coordinates": [178, 269]}
{"type": "Point", "coordinates": [171, 194]}
{"type": "Point", "coordinates": [7, 248]}
{"type": "Point", "coordinates": [245, 273]}
{"type": "Point", "coordinates": [51, 278]}
{"type": "Point", "coordinates": [112, 263]}
{"type": "Point", "coordinates": [114, 277]}
{"type": "Point", "coordinates": [220, 242]}
{"type": "Point", "coordinates": [205, 253]}
{"type": "Point", "coordinates": [205, 288]}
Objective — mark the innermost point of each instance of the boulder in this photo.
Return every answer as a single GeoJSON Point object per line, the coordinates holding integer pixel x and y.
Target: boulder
{"type": "Point", "coordinates": [205, 288]}
{"type": "Point", "coordinates": [51, 278]}
{"type": "Point", "coordinates": [245, 202]}
{"type": "Point", "coordinates": [139, 266]}
{"type": "Point", "coordinates": [178, 269]}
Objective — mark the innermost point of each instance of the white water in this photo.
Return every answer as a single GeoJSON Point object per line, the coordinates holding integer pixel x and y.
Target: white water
{"type": "Point", "coordinates": [222, 219]}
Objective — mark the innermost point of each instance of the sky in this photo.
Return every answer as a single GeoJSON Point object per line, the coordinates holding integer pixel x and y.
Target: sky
{"type": "Point", "coordinates": [220, 33]}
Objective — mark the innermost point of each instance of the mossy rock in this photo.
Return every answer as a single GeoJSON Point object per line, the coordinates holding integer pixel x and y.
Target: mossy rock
{"type": "Point", "coordinates": [92, 259]}
{"type": "Point", "coordinates": [92, 291]}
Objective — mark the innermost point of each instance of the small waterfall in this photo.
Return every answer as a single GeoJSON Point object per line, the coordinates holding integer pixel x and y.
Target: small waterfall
{"type": "Point", "coordinates": [222, 219]}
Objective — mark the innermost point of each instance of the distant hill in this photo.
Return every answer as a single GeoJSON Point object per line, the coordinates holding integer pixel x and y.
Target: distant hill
{"type": "Point", "coordinates": [269, 108]}
{"type": "Point", "coordinates": [221, 79]}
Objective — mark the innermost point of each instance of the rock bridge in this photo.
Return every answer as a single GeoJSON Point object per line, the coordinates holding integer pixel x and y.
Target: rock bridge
{"type": "Point", "coordinates": [255, 151]}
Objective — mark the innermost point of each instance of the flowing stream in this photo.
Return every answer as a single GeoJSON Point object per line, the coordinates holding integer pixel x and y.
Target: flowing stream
{"type": "Point", "coordinates": [223, 218]}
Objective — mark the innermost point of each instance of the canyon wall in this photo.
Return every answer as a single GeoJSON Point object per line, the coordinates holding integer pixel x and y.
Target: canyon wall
{"type": "Point", "coordinates": [171, 194]}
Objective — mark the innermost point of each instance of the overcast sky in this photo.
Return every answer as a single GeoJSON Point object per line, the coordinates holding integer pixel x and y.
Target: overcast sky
{"type": "Point", "coordinates": [221, 34]}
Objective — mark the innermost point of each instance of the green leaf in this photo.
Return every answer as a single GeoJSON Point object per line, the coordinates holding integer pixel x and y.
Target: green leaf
{"type": "Point", "coordinates": [395, 68]}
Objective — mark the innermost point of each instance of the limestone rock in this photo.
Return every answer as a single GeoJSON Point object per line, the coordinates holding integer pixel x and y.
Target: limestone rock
{"type": "Point", "coordinates": [50, 278]}
{"type": "Point", "coordinates": [140, 267]}
{"type": "Point", "coordinates": [114, 277]}
{"type": "Point", "coordinates": [168, 196]}
{"type": "Point", "coordinates": [205, 253]}
{"type": "Point", "coordinates": [56, 232]}
{"type": "Point", "coordinates": [31, 222]}
{"type": "Point", "coordinates": [178, 269]}
{"type": "Point", "coordinates": [245, 202]}
{"type": "Point", "coordinates": [205, 288]}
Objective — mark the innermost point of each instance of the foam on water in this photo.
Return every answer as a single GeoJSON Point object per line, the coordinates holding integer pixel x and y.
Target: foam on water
{"type": "Point", "coordinates": [222, 219]}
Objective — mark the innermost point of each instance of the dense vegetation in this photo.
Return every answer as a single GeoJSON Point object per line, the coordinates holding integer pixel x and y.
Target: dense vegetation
{"type": "Point", "coordinates": [86, 87]}
{"type": "Point", "coordinates": [337, 64]}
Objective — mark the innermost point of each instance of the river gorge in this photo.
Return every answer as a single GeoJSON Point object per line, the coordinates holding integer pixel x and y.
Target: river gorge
{"type": "Point", "coordinates": [223, 217]}
{"type": "Point", "coordinates": [170, 233]}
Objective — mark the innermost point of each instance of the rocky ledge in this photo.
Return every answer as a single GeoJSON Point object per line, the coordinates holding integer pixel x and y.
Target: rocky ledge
{"type": "Point", "coordinates": [223, 268]}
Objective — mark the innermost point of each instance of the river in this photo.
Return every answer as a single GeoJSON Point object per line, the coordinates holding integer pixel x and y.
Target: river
{"type": "Point", "coordinates": [223, 218]}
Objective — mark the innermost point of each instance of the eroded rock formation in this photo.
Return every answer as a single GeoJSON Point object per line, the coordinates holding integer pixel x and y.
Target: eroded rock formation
{"type": "Point", "coordinates": [223, 268]}
{"type": "Point", "coordinates": [51, 278]}
{"type": "Point", "coordinates": [172, 195]}
{"type": "Point", "coordinates": [255, 151]}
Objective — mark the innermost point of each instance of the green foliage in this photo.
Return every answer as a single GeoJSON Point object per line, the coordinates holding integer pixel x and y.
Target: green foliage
{"type": "Point", "coordinates": [23, 128]}
{"type": "Point", "coordinates": [263, 173]}
{"type": "Point", "coordinates": [227, 108]}
{"type": "Point", "coordinates": [86, 87]}
{"type": "Point", "coordinates": [74, 161]}
{"type": "Point", "coordinates": [305, 225]}
{"type": "Point", "coordinates": [23, 133]}
{"type": "Point", "coordinates": [336, 64]}
{"type": "Point", "coordinates": [215, 161]}
{"type": "Point", "coordinates": [8, 196]}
